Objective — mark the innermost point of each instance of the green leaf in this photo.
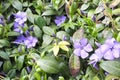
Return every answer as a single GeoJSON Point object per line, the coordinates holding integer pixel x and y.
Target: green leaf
{"type": "Point", "coordinates": [17, 4]}
{"type": "Point", "coordinates": [48, 64]}
{"type": "Point", "coordinates": [37, 31]}
{"type": "Point", "coordinates": [4, 55]}
{"type": "Point", "coordinates": [74, 65]}
{"type": "Point", "coordinates": [73, 8]}
{"type": "Point", "coordinates": [23, 72]}
{"type": "Point", "coordinates": [49, 12]}
{"type": "Point", "coordinates": [79, 34]}
{"type": "Point", "coordinates": [30, 16]}
{"type": "Point", "coordinates": [48, 30]}
{"type": "Point", "coordinates": [112, 67]}
{"type": "Point", "coordinates": [40, 21]}
{"type": "Point", "coordinates": [110, 77]}
{"type": "Point", "coordinates": [12, 33]}
{"type": "Point", "coordinates": [7, 66]}
{"type": "Point", "coordinates": [4, 42]}
{"type": "Point", "coordinates": [20, 62]}
{"type": "Point", "coordinates": [116, 11]}
{"type": "Point", "coordinates": [12, 73]}
{"type": "Point", "coordinates": [95, 78]}
{"type": "Point", "coordinates": [61, 35]}
{"type": "Point", "coordinates": [84, 6]}
{"type": "Point", "coordinates": [118, 37]}
{"type": "Point", "coordinates": [46, 40]}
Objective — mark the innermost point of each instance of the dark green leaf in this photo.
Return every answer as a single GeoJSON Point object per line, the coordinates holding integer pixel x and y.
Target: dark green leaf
{"type": "Point", "coordinates": [4, 42]}
{"type": "Point", "coordinates": [40, 22]}
{"type": "Point", "coordinates": [11, 73]}
{"type": "Point", "coordinates": [112, 67]}
{"type": "Point", "coordinates": [20, 62]}
{"type": "Point", "coordinates": [4, 55]}
{"type": "Point", "coordinates": [17, 4]}
{"type": "Point", "coordinates": [48, 64]}
{"type": "Point", "coordinates": [37, 31]}
{"type": "Point", "coordinates": [30, 16]}
{"type": "Point", "coordinates": [7, 66]}
{"type": "Point", "coordinates": [48, 30]}
{"type": "Point", "coordinates": [74, 65]}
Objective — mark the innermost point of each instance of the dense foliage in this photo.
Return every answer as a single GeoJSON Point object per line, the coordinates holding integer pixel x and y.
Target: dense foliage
{"type": "Point", "coordinates": [59, 39]}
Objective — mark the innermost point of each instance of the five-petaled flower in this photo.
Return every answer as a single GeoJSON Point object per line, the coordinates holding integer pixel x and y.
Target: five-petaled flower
{"type": "Point", "coordinates": [82, 48]}
{"type": "Point", "coordinates": [109, 51]}
{"type": "Point", "coordinates": [20, 19]}
{"type": "Point", "coordinates": [30, 41]}
{"type": "Point", "coordinates": [59, 20]}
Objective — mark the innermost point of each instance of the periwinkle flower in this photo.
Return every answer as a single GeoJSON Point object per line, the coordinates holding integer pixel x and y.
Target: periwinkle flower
{"type": "Point", "coordinates": [59, 20]}
{"type": "Point", "coordinates": [20, 39]}
{"type": "Point", "coordinates": [1, 20]}
{"type": "Point", "coordinates": [82, 48]}
{"type": "Point", "coordinates": [20, 19]}
{"type": "Point", "coordinates": [109, 51]}
{"type": "Point", "coordinates": [30, 41]}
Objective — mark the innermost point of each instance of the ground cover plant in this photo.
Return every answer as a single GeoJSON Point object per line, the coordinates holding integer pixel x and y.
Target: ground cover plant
{"type": "Point", "coordinates": [59, 39]}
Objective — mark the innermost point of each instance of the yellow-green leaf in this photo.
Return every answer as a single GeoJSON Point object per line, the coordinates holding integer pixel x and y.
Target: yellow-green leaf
{"type": "Point", "coordinates": [65, 48]}
{"type": "Point", "coordinates": [63, 43]}
{"type": "Point", "coordinates": [55, 50]}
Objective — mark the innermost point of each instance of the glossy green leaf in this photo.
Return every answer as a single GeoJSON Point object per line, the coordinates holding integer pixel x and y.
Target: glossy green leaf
{"type": "Point", "coordinates": [4, 55]}
{"type": "Point", "coordinates": [48, 64]}
{"type": "Point", "coordinates": [12, 33]}
{"type": "Point", "coordinates": [46, 40]}
{"type": "Point", "coordinates": [37, 31]}
{"type": "Point", "coordinates": [112, 67]}
{"type": "Point", "coordinates": [23, 72]}
{"type": "Point", "coordinates": [7, 66]}
{"type": "Point", "coordinates": [20, 62]}
{"type": "Point", "coordinates": [79, 34]}
{"type": "Point", "coordinates": [74, 65]}
{"type": "Point", "coordinates": [84, 6]}
{"type": "Point", "coordinates": [48, 30]}
{"type": "Point", "coordinates": [40, 21]}
{"type": "Point", "coordinates": [4, 42]}
{"type": "Point", "coordinates": [30, 15]}
{"type": "Point", "coordinates": [49, 12]}
{"type": "Point", "coordinates": [17, 4]}
{"type": "Point", "coordinates": [11, 73]}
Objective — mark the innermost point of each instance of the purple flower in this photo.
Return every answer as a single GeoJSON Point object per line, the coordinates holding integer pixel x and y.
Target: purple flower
{"type": "Point", "coordinates": [82, 48]}
{"type": "Point", "coordinates": [1, 20]}
{"type": "Point", "coordinates": [59, 20]}
{"type": "Point", "coordinates": [21, 17]}
{"type": "Point", "coordinates": [30, 41]}
{"type": "Point", "coordinates": [109, 50]}
{"type": "Point", "coordinates": [20, 39]}
{"type": "Point", "coordinates": [96, 57]}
